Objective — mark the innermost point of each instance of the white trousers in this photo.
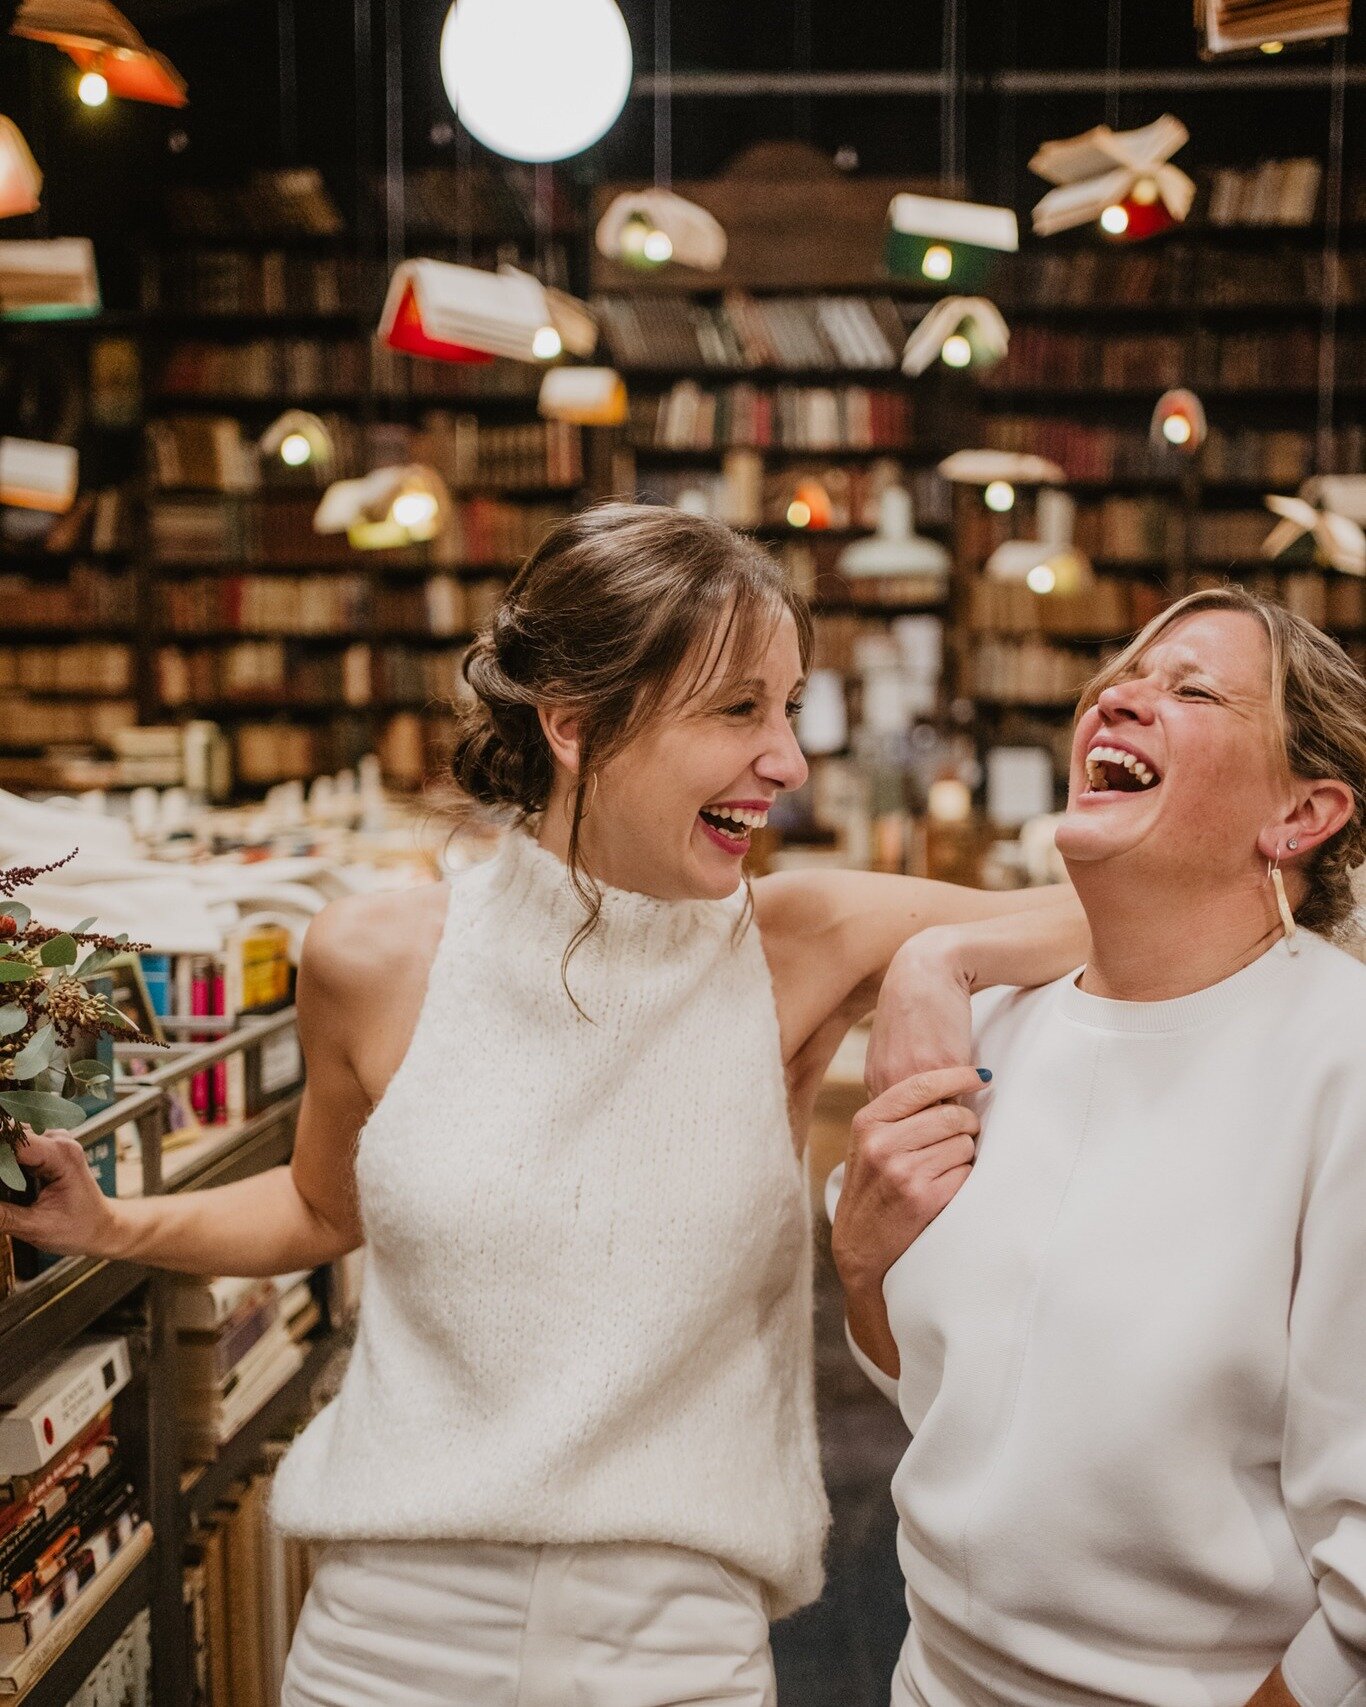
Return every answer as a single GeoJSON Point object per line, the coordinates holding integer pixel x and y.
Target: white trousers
{"type": "Point", "coordinates": [476, 1624]}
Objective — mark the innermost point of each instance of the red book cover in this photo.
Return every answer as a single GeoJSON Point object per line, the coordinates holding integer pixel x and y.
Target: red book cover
{"type": "Point", "coordinates": [218, 1089]}
{"type": "Point", "coordinates": [199, 1004]}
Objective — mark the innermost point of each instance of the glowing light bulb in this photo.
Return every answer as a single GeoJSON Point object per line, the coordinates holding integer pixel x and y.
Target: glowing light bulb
{"type": "Point", "coordinates": [295, 450]}
{"type": "Point", "coordinates": [1115, 220]}
{"type": "Point", "coordinates": [1041, 579]}
{"type": "Point", "coordinates": [1144, 192]}
{"type": "Point", "coordinates": [949, 800]}
{"type": "Point", "coordinates": [957, 351]}
{"type": "Point", "coordinates": [657, 247]}
{"type": "Point", "coordinates": [547, 344]}
{"type": "Point", "coordinates": [1176, 429]}
{"type": "Point", "coordinates": [93, 89]}
{"type": "Point", "coordinates": [938, 262]}
{"type": "Point", "coordinates": [412, 510]}
{"type": "Point", "coordinates": [1273, 47]}
{"type": "Point", "coordinates": [799, 513]}
{"type": "Point", "coordinates": [999, 496]}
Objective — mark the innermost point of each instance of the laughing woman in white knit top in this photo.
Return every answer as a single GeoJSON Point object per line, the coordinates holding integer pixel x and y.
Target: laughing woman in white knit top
{"type": "Point", "coordinates": [573, 1462]}
{"type": "Point", "coordinates": [1131, 1351]}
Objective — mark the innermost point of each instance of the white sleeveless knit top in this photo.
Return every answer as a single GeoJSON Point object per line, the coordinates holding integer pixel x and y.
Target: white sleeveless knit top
{"type": "Point", "coordinates": [586, 1306]}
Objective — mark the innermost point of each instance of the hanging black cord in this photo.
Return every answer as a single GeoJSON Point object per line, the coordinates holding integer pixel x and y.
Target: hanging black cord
{"type": "Point", "coordinates": [664, 141]}
{"type": "Point", "coordinates": [1113, 43]}
{"type": "Point", "coordinates": [289, 82]}
{"type": "Point", "coordinates": [395, 201]}
{"type": "Point", "coordinates": [1329, 283]}
{"type": "Point", "coordinates": [952, 141]}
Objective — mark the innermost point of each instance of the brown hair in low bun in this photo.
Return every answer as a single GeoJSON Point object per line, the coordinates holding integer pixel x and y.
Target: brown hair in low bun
{"type": "Point", "coordinates": [605, 617]}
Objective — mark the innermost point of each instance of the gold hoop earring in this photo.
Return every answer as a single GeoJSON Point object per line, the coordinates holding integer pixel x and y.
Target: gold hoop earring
{"type": "Point", "coordinates": [591, 799]}
{"type": "Point", "coordinates": [1288, 924]}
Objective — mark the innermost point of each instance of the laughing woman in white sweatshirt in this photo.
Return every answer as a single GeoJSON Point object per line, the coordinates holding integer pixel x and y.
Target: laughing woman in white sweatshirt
{"type": "Point", "coordinates": [1131, 1350]}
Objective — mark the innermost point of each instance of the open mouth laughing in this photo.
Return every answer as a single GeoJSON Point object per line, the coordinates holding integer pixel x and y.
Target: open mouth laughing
{"type": "Point", "coordinates": [1115, 770]}
{"type": "Point", "coordinates": [730, 824]}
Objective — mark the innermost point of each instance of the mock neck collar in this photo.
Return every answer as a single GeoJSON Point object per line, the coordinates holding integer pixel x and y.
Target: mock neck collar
{"type": "Point", "coordinates": [534, 885]}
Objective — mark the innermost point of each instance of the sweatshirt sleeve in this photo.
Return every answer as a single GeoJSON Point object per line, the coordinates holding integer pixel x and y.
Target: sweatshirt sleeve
{"type": "Point", "coordinates": [879, 1377]}
{"type": "Point", "coordinates": [1323, 1462]}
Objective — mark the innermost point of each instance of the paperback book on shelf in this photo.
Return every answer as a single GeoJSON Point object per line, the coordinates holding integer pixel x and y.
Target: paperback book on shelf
{"type": "Point", "coordinates": [17, 1674]}
{"type": "Point", "coordinates": [50, 1405]}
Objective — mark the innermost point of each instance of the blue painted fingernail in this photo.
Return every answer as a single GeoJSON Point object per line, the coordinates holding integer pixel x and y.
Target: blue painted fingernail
{"type": "Point", "coordinates": [984, 1074]}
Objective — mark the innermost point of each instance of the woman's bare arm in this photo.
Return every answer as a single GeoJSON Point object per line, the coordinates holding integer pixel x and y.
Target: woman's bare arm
{"type": "Point", "coordinates": [831, 934]}
{"type": "Point", "coordinates": [284, 1219]}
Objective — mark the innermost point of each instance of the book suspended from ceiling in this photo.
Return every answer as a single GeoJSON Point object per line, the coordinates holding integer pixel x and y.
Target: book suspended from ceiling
{"type": "Point", "coordinates": [1242, 26]}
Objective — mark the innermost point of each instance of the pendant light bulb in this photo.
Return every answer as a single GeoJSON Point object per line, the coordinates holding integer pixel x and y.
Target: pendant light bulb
{"type": "Point", "coordinates": [546, 344]}
{"type": "Point", "coordinates": [295, 451]}
{"type": "Point", "coordinates": [957, 351]}
{"type": "Point", "coordinates": [1041, 579]}
{"type": "Point", "coordinates": [93, 89]}
{"type": "Point", "coordinates": [938, 262]}
{"type": "Point", "coordinates": [1114, 219]}
{"type": "Point", "coordinates": [415, 510]}
{"type": "Point", "coordinates": [999, 496]}
{"type": "Point", "coordinates": [536, 80]}
{"type": "Point", "coordinates": [657, 248]}
{"type": "Point", "coordinates": [1176, 429]}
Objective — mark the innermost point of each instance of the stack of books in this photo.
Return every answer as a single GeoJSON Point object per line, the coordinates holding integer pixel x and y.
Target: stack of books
{"type": "Point", "coordinates": [799, 332]}
{"type": "Point", "coordinates": [70, 1528]}
{"type": "Point", "coordinates": [240, 1342]}
{"type": "Point", "coordinates": [783, 417]}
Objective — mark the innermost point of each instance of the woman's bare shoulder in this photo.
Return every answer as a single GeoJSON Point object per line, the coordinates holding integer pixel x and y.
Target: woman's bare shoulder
{"type": "Point", "coordinates": [395, 930]}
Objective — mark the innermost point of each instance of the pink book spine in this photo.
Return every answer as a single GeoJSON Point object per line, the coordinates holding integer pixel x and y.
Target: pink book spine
{"type": "Point", "coordinates": [220, 1069]}
{"type": "Point", "coordinates": [199, 1004]}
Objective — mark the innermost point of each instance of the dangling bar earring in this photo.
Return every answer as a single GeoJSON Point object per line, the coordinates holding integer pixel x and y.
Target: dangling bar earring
{"type": "Point", "coordinates": [1288, 924]}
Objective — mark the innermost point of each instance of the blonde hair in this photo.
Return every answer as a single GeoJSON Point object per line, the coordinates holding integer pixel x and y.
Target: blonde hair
{"type": "Point", "coordinates": [1319, 700]}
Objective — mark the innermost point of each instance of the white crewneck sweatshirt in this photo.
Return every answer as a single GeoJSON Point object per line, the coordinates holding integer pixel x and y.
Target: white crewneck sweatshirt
{"type": "Point", "coordinates": [1133, 1354]}
{"type": "Point", "coordinates": [586, 1308]}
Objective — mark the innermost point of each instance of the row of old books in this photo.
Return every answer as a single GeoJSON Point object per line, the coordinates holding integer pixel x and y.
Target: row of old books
{"type": "Point", "coordinates": [479, 532]}
{"type": "Point", "coordinates": [1176, 274]}
{"type": "Point", "coordinates": [273, 281]}
{"type": "Point", "coordinates": [787, 417]}
{"type": "Point", "coordinates": [1090, 454]}
{"type": "Point", "coordinates": [811, 498]}
{"type": "Point", "coordinates": [1027, 672]}
{"type": "Point", "coordinates": [89, 666]}
{"type": "Point", "coordinates": [84, 597]}
{"type": "Point", "coordinates": [356, 674]}
{"type": "Point", "coordinates": [1120, 529]}
{"type": "Point", "coordinates": [286, 201]}
{"type": "Point", "coordinates": [100, 521]}
{"type": "Point", "coordinates": [35, 724]}
{"type": "Point", "coordinates": [280, 750]}
{"type": "Point", "coordinates": [341, 604]}
{"type": "Point", "coordinates": [345, 369]}
{"type": "Point", "coordinates": [1273, 192]}
{"type": "Point", "coordinates": [1053, 359]}
{"type": "Point", "coordinates": [1109, 609]}
{"type": "Point", "coordinates": [70, 1523]}
{"type": "Point", "coordinates": [741, 331]}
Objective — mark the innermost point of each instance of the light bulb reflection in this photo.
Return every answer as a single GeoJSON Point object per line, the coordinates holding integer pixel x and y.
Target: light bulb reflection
{"type": "Point", "coordinates": [414, 510]}
{"type": "Point", "coordinates": [1041, 579]}
{"type": "Point", "coordinates": [93, 89]}
{"type": "Point", "coordinates": [1115, 220]}
{"type": "Point", "coordinates": [999, 496]}
{"type": "Point", "coordinates": [1176, 429]}
{"type": "Point", "coordinates": [938, 262]}
{"type": "Point", "coordinates": [957, 351]}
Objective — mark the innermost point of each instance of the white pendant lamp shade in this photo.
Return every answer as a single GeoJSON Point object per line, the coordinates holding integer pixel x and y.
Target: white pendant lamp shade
{"type": "Point", "coordinates": [895, 549]}
{"type": "Point", "coordinates": [536, 79]}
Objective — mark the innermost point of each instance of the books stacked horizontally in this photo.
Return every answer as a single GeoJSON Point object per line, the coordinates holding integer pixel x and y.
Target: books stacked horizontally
{"type": "Point", "coordinates": [240, 1342]}
{"type": "Point", "coordinates": [244, 1587]}
{"type": "Point", "coordinates": [1241, 26]}
{"type": "Point", "coordinates": [70, 1529]}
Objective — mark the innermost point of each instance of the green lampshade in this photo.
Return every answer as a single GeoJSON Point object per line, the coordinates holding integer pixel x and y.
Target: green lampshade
{"type": "Point", "coordinates": [947, 243]}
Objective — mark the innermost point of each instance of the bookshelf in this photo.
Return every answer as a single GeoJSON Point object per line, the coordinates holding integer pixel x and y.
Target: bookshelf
{"type": "Point", "coordinates": [77, 1294]}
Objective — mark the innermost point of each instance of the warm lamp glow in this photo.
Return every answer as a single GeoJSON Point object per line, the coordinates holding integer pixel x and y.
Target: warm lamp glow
{"type": "Point", "coordinates": [547, 344]}
{"type": "Point", "coordinates": [295, 450]}
{"type": "Point", "coordinates": [93, 89]}
{"type": "Point", "coordinates": [957, 351]}
{"type": "Point", "coordinates": [1041, 579]}
{"type": "Point", "coordinates": [657, 248]}
{"type": "Point", "coordinates": [1114, 219]}
{"type": "Point", "coordinates": [536, 79]}
{"type": "Point", "coordinates": [999, 496]}
{"type": "Point", "coordinates": [1144, 192]}
{"type": "Point", "coordinates": [415, 510]}
{"type": "Point", "coordinates": [799, 514]}
{"type": "Point", "coordinates": [1176, 429]}
{"type": "Point", "coordinates": [1273, 47]}
{"type": "Point", "coordinates": [950, 800]}
{"type": "Point", "coordinates": [938, 262]}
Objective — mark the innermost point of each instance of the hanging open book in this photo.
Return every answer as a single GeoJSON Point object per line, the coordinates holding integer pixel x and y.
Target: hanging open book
{"type": "Point", "coordinates": [465, 314]}
{"type": "Point", "coordinates": [20, 180]}
{"type": "Point", "coordinates": [48, 278]}
{"type": "Point", "coordinates": [99, 38]}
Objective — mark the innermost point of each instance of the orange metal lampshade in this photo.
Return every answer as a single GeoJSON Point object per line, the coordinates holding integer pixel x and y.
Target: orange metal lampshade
{"type": "Point", "coordinates": [110, 45]}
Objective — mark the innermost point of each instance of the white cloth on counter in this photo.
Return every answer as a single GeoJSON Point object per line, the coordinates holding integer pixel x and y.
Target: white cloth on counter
{"type": "Point", "coordinates": [1133, 1354]}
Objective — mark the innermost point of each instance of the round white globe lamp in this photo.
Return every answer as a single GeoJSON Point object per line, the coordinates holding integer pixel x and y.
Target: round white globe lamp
{"type": "Point", "coordinates": [536, 79]}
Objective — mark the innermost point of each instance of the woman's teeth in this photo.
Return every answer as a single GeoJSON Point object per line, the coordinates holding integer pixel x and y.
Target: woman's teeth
{"type": "Point", "coordinates": [1099, 757]}
{"type": "Point", "coordinates": [734, 821]}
